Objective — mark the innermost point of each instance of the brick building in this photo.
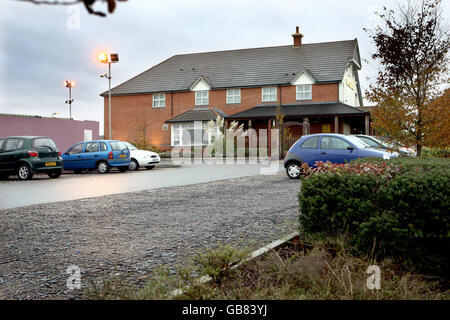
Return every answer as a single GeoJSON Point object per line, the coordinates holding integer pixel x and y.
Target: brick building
{"type": "Point", "coordinates": [315, 85]}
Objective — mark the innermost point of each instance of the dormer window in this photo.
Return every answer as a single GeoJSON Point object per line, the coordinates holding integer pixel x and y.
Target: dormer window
{"type": "Point", "coordinates": [201, 98]}
{"type": "Point", "coordinates": [304, 92]}
{"type": "Point", "coordinates": [269, 94]}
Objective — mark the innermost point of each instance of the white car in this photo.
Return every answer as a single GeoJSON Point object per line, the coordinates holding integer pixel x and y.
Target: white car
{"type": "Point", "coordinates": [377, 143]}
{"type": "Point", "coordinates": [142, 158]}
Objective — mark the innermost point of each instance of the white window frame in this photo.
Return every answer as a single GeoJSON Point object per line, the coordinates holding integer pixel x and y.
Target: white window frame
{"type": "Point", "coordinates": [202, 98]}
{"type": "Point", "coordinates": [233, 96]}
{"type": "Point", "coordinates": [304, 92]}
{"type": "Point", "coordinates": [159, 100]}
{"type": "Point", "coordinates": [177, 134]}
{"type": "Point", "coordinates": [269, 96]}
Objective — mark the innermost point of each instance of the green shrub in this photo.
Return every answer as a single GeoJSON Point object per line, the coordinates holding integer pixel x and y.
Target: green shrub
{"type": "Point", "coordinates": [405, 217]}
{"type": "Point", "coordinates": [334, 204]}
{"type": "Point", "coordinates": [412, 221]}
{"type": "Point", "coordinates": [436, 152]}
{"type": "Point", "coordinates": [411, 164]}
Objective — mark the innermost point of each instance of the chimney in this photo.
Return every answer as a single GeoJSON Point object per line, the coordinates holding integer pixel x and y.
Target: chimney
{"type": "Point", "coordinates": [297, 37]}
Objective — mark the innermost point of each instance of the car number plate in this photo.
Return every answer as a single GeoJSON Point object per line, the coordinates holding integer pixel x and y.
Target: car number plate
{"type": "Point", "coordinates": [50, 164]}
{"type": "Point", "coordinates": [122, 155]}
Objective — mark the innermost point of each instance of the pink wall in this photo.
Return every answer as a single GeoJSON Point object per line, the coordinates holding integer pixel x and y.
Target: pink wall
{"type": "Point", "coordinates": [64, 132]}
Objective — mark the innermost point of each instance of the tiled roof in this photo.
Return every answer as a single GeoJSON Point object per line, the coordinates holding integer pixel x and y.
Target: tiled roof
{"type": "Point", "coordinates": [197, 114]}
{"type": "Point", "coordinates": [300, 109]}
{"type": "Point", "coordinates": [245, 67]}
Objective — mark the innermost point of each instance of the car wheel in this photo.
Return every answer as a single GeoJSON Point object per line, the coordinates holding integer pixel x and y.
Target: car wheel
{"type": "Point", "coordinates": [55, 174]}
{"type": "Point", "coordinates": [24, 172]}
{"type": "Point", "coordinates": [149, 167]}
{"type": "Point", "coordinates": [134, 165]}
{"type": "Point", "coordinates": [77, 171]}
{"type": "Point", "coordinates": [103, 167]}
{"type": "Point", "coordinates": [123, 169]}
{"type": "Point", "coordinates": [293, 170]}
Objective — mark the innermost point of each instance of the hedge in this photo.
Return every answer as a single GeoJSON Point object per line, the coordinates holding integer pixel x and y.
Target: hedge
{"type": "Point", "coordinates": [411, 164]}
{"type": "Point", "coordinates": [405, 216]}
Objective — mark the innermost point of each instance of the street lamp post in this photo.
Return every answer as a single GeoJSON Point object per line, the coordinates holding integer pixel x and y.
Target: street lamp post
{"type": "Point", "coordinates": [70, 84]}
{"type": "Point", "coordinates": [112, 58]}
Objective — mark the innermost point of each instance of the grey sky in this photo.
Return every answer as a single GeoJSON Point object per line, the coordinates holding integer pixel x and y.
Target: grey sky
{"type": "Point", "coordinates": [38, 51]}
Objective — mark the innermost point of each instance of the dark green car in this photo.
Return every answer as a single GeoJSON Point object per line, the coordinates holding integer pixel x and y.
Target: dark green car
{"type": "Point", "coordinates": [25, 156]}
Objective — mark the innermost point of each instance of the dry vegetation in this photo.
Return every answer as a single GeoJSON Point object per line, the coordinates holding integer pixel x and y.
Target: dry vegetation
{"type": "Point", "coordinates": [320, 272]}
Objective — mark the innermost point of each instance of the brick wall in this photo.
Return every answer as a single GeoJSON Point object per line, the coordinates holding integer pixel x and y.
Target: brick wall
{"type": "Point", "coordinates": [130, 114]}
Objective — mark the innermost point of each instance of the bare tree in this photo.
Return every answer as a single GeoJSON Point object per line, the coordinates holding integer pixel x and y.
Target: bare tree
{"type": "Point", "coordinates": [142, 129]}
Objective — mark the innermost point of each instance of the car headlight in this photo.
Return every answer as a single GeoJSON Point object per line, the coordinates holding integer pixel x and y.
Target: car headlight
{"type": "Point", "coordinates": [386, 156]}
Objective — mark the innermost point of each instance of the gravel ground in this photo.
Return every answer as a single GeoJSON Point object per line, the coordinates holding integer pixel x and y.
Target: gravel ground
{"type": "Point", "coordinates": [128, 235]}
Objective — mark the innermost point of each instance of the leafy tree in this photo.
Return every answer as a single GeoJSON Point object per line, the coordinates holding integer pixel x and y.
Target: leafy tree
{"type": "Point", "coordinates": [412, 47]}
{"type": "Point", "coordinates": [111, 4]}
{"type": "Point", "coordinates": [438, 133]}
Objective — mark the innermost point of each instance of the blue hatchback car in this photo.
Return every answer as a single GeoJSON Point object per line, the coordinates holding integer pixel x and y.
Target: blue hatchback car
{"type": "Point", "coordinates": [101, 155]}
{"type": "Point", "coordinates": [336, 148]}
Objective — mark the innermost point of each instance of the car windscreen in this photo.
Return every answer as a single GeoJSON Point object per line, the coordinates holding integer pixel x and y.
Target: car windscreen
{"type": "Point", "coordinates": [44, 142]}
{"type": "Point", "coordinates": [118, 145]}
{"type": "Point", "coordinates": [370, 142]}
{"type": "Point", "coordinates": [357, 142]}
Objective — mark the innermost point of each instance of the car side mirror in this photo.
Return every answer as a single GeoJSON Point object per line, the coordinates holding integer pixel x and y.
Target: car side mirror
{"type": "Point", "coordinates": [350, 148]}
{"type": "Point", "coordinates": [124, 150]}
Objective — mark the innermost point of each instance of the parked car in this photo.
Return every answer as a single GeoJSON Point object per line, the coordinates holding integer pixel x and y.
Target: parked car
{"type": "Point", "coordinates": [379, 144]}
{"type": "Point", "coordinates": [403, 151]}
{"type": "Point", "coordinates": [26, 155]}
{"type": "Point", "coordinates": [373, 142]}
{"type": "Point", "coordinates": [142, 158]}
{"type": "Point", "coordinates": [336, 148]}
{"type": "Point", "coordinates": [101, 155]}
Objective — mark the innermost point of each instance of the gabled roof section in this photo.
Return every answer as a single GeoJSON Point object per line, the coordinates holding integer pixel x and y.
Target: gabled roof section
{"type": "Point", "coordinates": [201, 81]}
{"type": "Point", "coordinates": [304, 72]}
{"type": "Point", "coordinates": [356, 56]}
{"type": "Point", "coordinates": [244, 68]}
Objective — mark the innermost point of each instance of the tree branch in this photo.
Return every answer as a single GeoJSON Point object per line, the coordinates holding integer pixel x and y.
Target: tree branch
{"type": "Point", "coordinates": [55, 2]}
{"type": "Point", "coordinates": [87, 3]}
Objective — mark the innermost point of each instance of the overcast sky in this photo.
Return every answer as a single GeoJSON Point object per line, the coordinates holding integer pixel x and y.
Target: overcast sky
{"type": "Point", "coordinates": [40, 46]}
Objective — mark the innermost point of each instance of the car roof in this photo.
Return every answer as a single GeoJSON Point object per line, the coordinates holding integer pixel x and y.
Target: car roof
{"type": "Point", "coordinates": [24, 137]}
{"type": "Point", "coordinates": [324, 134]}
{"type": "Point", "coordinates": [100, 141]}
